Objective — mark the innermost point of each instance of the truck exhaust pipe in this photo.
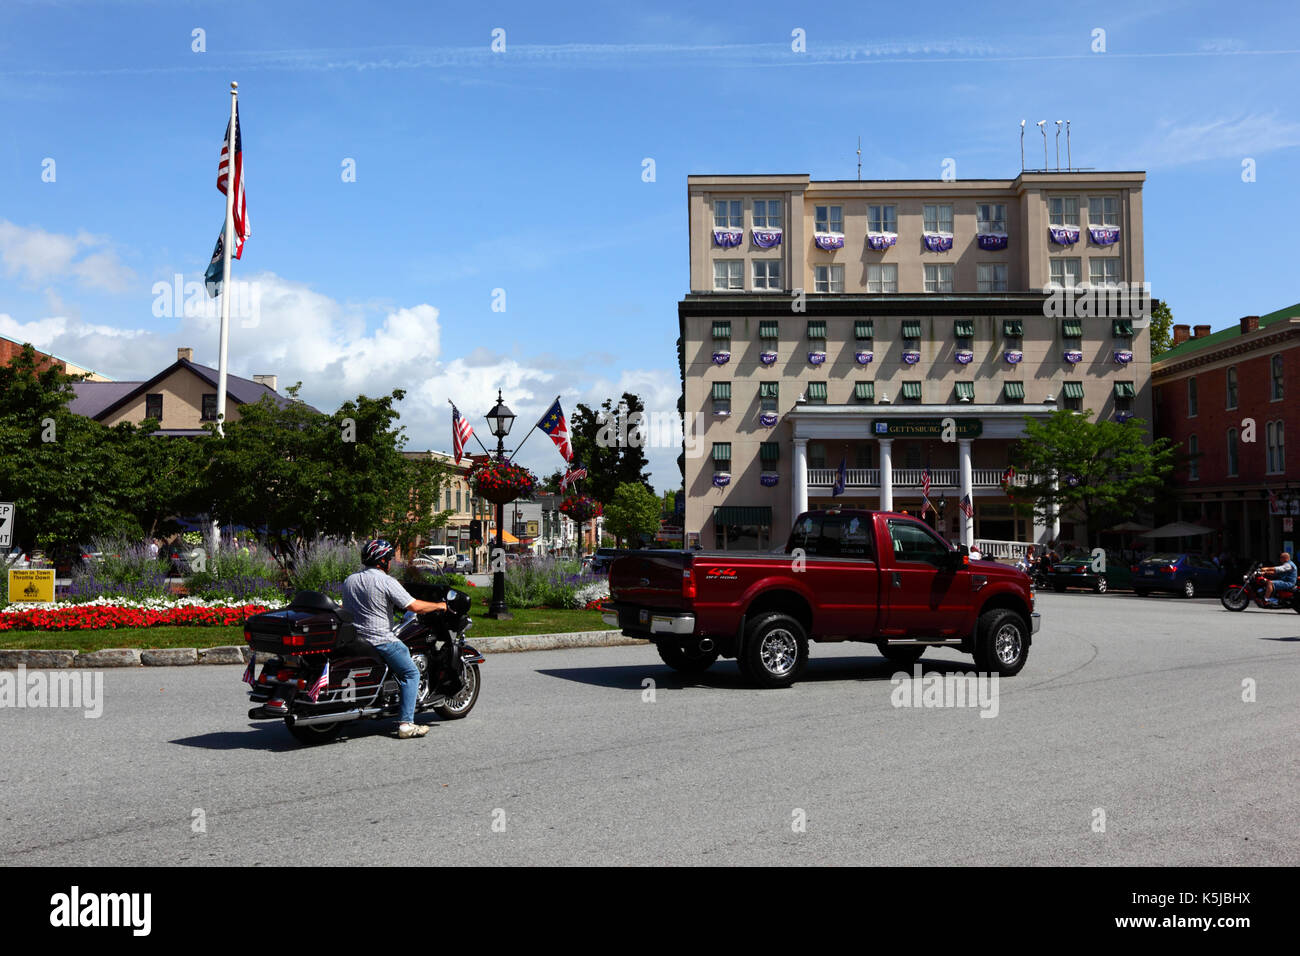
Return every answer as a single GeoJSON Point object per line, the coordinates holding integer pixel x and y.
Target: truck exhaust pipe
{"type": "Point", "coordinates": [706, 644]}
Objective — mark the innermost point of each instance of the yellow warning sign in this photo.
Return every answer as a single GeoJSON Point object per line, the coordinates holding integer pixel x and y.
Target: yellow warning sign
{"type": "Point", "coordinates": [37, 585]}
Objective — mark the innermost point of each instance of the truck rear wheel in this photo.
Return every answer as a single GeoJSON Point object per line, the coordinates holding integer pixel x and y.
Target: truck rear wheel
{"type": "Point", "coordinates": [687, 660]}
{"type": "Point", "coordinates": [775, 652]}
{"type": "Point", "coordinates": [1001, 642]}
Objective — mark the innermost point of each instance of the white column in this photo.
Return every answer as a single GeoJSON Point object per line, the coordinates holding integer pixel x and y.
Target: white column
{"type": "Point", "coordinates": [886, 474]}
{"type": "Point", "coordinates": [967, 488]}
{"type": "Point", "coordinates": [1056, 512]}
{"type": "Point", "coordinates": [799, 497]}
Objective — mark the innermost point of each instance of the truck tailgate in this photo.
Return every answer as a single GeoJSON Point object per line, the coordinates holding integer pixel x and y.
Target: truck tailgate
{"type": "Point", "coordinates": [651, 580]}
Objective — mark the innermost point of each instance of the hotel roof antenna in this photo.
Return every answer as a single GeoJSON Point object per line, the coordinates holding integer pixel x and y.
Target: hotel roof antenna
{"type": "Point", "coordinates": [1069, 158]}
{"type": "Point", "coordinates": [1042, 128]}
{"type": "Point", "coordinates": [859, 158]}
{"type": "Point", "coordinates": [1022, 146]}
{"type": "Point", "coordinates": [1058, 144]}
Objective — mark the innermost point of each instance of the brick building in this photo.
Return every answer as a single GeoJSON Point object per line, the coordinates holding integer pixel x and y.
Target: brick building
{"type": "Point", "coordinates": [1223, 398]}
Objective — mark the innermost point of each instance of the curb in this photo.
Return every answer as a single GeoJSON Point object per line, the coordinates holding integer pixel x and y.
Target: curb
{"type": "Point", "coordinates": [238, 654]}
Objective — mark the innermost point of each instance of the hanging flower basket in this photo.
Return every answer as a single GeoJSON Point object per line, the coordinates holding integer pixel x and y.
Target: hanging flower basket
{"type": "Point", "coordinates": [581, 508]}
{"type": "Point", "coordinates": [501, 482]}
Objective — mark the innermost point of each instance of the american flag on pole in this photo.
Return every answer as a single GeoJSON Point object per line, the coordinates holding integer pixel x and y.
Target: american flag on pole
{"type": "Point", "coordinates": [460, 433]}
{"type": "Point", "coordinates": [223, 179]}
{"type": "Point", "coordinates": [925, 484]}
{"type": "Point", "coordinates": [572, 475]}
{"type": "Point", "coordinates": [966, 507]}
{"type": "Point", "coordinates": [1273, 505]}
{"type": "Point", "coordinates": [321, 683]}
{"type": "Point", "coordinates": [248, 671]}
{"type": "Point", "coordinates": [553, 424]}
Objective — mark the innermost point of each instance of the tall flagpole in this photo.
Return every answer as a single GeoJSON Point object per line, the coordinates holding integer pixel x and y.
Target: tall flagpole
{"type": "Point", "coordinates": [227, 247]}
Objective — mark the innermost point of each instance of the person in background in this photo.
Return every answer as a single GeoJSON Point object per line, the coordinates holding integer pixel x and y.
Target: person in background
{"type": "Point", "coordinates": [1284, 573]}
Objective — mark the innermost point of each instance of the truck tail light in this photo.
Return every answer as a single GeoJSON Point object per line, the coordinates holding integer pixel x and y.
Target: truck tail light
{"type": "Point", "coordinates": [688, 584]}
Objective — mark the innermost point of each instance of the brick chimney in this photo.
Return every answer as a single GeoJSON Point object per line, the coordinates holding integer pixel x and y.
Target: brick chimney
{"type": "Point", "coordinates": [270, 381]}
{"type": "Point", "coordinates": [1181, 334]}
{"type": "Point", "coordinates": [1200, 331]}
{"type": "Point", "coordinates": [186, 354]}
{"type": "Point", "coordinates": [1249, 323]}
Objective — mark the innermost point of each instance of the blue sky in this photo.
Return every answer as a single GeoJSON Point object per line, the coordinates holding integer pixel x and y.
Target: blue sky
{"type": "Point", "coordinates": [521, 170]}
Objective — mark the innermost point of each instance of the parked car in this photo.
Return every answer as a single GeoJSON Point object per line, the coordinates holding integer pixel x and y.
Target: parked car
{"type": "Point", "coordinates": [604, 557]}
{"type": "Point", "coordinates": [182, 559]}
{"type": "Point", "coordinates": [1185, 574]}
{"type": "Point", "coordinates": [436, 557]}
{"type": "Point", "coordinates": [17, 560]}
{"type": "Point", "coordinates": [463, 564]}
{"type": "Point", "coordinates": [878, 577]}
{"type": "Point", "coordinates": [1077, 571]}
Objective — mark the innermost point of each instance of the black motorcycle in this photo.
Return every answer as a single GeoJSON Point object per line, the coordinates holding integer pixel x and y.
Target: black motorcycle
{"type": "Point", "coordinates": [317, 675]}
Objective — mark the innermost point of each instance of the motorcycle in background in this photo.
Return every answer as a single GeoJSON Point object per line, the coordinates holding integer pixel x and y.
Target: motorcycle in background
{"type": "Point", "coordinates": [1251, 590]}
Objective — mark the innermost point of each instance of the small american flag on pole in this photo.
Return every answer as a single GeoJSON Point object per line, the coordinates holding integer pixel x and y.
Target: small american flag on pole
{"type": "Point", "coordinates": [572, 475]}
{"type": "Point", "coordinates": [223, 180]}
{"type": "Point", "coordinates": [249, 671]}
{"type": "Point", "coordinates": [966, 507]}
{"type": "Point", "coordinates": [321, 683]}
{"type": "Point", "coordinates": [460, 433]}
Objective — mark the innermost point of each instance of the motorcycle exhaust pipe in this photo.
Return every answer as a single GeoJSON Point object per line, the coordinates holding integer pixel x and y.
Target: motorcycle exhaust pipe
{"type": "Point", "coordinates": [706, 644]}
{"type": "Point", "coordinates": [337, 718]}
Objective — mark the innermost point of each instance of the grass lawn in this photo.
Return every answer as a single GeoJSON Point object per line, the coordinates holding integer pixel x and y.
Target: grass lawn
{"type": "Point", "coordinates": [526, 621]}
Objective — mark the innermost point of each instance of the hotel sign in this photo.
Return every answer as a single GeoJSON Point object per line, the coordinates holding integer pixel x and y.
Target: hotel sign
{"type": "Point", "coordinates": [924, 427]}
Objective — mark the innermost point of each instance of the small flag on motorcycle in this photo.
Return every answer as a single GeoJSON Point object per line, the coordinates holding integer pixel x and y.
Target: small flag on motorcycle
{"type": "Point", "coordinates": [249, 671]}
{"type": "Point", "coordinates": [321, 682]}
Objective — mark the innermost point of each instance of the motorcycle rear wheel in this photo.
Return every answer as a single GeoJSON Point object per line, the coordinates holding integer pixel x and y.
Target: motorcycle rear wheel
{"type": "Point", "coordinates": [313, 734]}
{"type": "Point", "coordinates": [1236, 598]}
{"type": "Point", "coordinates": [459, 706]}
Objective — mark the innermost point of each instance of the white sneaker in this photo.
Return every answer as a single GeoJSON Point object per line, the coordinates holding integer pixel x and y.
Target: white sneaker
{"type": "Point", "coordinates": [412, 730]}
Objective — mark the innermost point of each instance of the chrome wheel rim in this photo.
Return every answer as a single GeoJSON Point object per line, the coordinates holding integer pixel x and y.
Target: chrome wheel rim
{"type": "Point", "coordinates": [778, 652]}
{"type": "Point", "coordinates": [1006, 644]}
{"type": "Point", "coordinates": [463, 700]}
{"type": "Point", "coordinates": [1101, 586]}
{"type": "Point", "coordinates": [1189, 589]}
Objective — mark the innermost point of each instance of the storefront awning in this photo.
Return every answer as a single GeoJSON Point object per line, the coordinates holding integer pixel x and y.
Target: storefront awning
{"type": "Point", "coordinates": [743, 514]}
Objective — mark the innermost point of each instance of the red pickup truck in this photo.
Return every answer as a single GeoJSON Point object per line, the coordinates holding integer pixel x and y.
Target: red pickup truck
{"type": "Point", "coordinates": [872, 576]}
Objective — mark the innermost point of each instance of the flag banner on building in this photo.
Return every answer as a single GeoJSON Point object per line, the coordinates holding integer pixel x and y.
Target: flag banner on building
{"type": "Point", "coordinates": [554, 425]}
{"type": "Point", "coordinates": [767, 238]}
{"type": "Point", "coordinates": [911, 356]}
{"type": "Point", "coordinates": [1013, 356]}
{"type": "Point", "coordinates": [767, 358]}
{"type": "Point", "coordinates": [991, 241]}
{"type": "Point", "coordinates": [863, 356]}
{"type": "Point", "coordinates": [460, 433]}
{"type": "Point", "coordinates": [1123, 356]}
{"type": "Point", "coordinates": [964, 356]}
{"type": "Point", "coordinates": [1064, 235]}
{"type": "Point", "coordinates": [721, 357]}
{"type": "Point", "coordinates": [242, 231]}
{"type": "Point", "coordinates": [721, 479]}
{"type": "Point", "coordinates": [829, 240]}
{"type": "Point", "coordinates": [816, 358]}
{"type": "Point", "coordinates": [572, 475]}
{"type": "Point", "coordinates": [767, 419]}
{"type": "Point", "coordinates": [212, 278]}
{"type": "Point", "coordinates": [966, 507]}
{"type": "Point", "coordinates": [726, 238]}
{"type": "Point", "coordinates": [250, 670]}
{"type": "Point", "coordinates": [841, 478]}
{"type": "Point", "coordinates": [1073, 356]}
{"type": "Point", "coordinates": [937, 241]}
{"type": "Point", "coordinates": [321, 682]}
{"type": "Point", "coordinates": [768, 479]}
{"type": "Point", "coordinates": [880, 241]}
{"type": "Point", "coordinates": [1104, 235]}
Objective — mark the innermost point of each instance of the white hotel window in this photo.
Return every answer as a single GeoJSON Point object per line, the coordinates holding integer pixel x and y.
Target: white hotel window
{"type": "Point", "coordinates": [991, 276]}
{"type": "Point", "coordinates": [727, 215]}
{"type": "Point", "coordinates": [938, 277]}
{"type": "Point", "coordinates": [828, 279]}
{"type": "Point", "coordinates": [937, 218]}
{"type": "Point", "coordinates": [882, 219]}
{"type": "Point", "coordinates": [1103, 211]}
{"type": "Point", "coordinates": [829, 218]}
{"type": "Point", "coordinates": [882, 278]}
{"type": "Point", "coordinates": [1066, 272]}
{"type": "Point", "coordinates": [991, 217]}
{"type": "Point", "coordinates": [767, 214]}
{"type": "Point", "coordinates": [767, 274]}
{"type": "Point", "coordinates": [1063, 210]}
{"type": "Point", "coordinates": [1103, 272]}
{"type": "Point", "coordinates": [728, 274]}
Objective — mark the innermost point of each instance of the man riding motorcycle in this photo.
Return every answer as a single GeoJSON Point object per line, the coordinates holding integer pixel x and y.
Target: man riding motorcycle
{"type": "Point", "coordinates": [372, 596]}
{"type": "Point", "coordinates": [1284, 574]}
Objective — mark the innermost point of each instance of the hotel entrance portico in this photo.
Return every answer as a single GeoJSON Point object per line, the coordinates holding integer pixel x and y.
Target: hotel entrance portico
{"type": "Point", "coordinates": [967, 455]}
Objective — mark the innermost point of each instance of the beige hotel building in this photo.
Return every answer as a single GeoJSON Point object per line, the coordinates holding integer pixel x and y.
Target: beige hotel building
{"type": "Point", "coordinates": [844, 321]}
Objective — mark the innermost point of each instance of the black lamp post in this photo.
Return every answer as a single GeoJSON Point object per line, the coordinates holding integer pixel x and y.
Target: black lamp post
{"type": "Point", "coordinates": [499, 421]}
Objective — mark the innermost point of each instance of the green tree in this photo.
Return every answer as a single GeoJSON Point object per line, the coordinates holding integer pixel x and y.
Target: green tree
{"type": "Point", "coordinates": [609, 441]}
{"type": "Point", "coordinates": [1104, 471]}
{"type": "Point", "coordinates": [1162, 329]}
{"type": "Point", "coordinates": [632, 511]}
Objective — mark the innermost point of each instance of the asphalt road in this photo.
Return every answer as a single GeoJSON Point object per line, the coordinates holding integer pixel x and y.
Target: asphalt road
{"type": "Point", "coordinates": [1129, 706]}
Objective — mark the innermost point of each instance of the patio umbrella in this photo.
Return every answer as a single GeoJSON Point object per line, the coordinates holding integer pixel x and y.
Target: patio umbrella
{"type": "Point", "coordinates": [1129, 526]}
{"type": "Point", "coordinates": [1178, 529]}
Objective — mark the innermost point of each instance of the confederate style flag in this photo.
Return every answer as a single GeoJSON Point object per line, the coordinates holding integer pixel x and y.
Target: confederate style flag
{"type": "Point", "coordinates": [223, 178]}
{"type": "Point", "coordinates": [553, 424]}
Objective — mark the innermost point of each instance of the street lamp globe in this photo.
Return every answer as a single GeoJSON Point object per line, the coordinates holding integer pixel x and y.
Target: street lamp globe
{"type": "Point", "coordinates": [500, 418]}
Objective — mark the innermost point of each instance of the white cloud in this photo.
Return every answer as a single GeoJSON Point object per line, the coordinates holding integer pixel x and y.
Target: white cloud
{"type": "Point", "coordinates": [33, 254]}
{"type": "Point", "coordinates": [1173, 143]}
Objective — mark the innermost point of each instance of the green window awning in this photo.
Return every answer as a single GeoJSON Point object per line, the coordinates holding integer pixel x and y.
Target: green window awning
{"type": "Point", "coordinates": [816, 329]}
{"type": "Point", "coordinates": [816, 390]}
{"type": "Point", "coordinates": [1072, 328]}
{"type": "Point", "coordinates": [964, 329]}
{"type": "Point", "coordinates": [864, 391]}
{"type": "Point", "coordinates": [1074, 390]}
{"type": "Point", "coordinates": [742, 514]}
{"type": "Point", "coordinates": [721, 390]}
{"type": "Point", "coordinates": [864, 329]}
{"type": "Point", "coordinates": [722, 330]}
{"type": "Point", "coordinates": [966, 390]}
{"type": "Point", "coordinates": [912, 390]}
{"type": "Point", "coordinates": [911, 330]}
{"type": "Point", "coordinates": [1013, 389]}
{"type": "Point", "coordinates": [1124, 390]}
{"type": "Point", "coordinates": [1013, 328]}
{"type": "Point", "coordinates": [768, 390]}
{"type": "Point", "coordinates": [769, 451]}
{"type": "Point", "coordinates": [769, 330]}
{"type": "Point", "coordinates": [1122, 328]}
{"type": "Point", "coordinates": [722, 451]}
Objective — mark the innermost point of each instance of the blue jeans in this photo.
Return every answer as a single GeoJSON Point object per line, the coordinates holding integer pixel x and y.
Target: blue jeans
{"type": "Point", "coordinates": [398, 659]}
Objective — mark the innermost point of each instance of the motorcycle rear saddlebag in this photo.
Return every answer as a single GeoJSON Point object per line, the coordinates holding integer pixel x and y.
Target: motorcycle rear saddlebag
{"type": "Point", "coordinates": [297, 631]}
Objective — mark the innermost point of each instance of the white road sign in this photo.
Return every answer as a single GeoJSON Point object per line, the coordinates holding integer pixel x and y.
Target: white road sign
{"type": "Point", "coordinates": [6, 524]}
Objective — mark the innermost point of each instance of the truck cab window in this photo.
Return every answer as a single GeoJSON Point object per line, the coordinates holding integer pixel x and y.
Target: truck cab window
{"type": "Point", "coordinates": [806, 534]}
{"type": "Point", "coordinates": [845, 536]}
{"type": "Point", "coordinates": [915, 542]}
